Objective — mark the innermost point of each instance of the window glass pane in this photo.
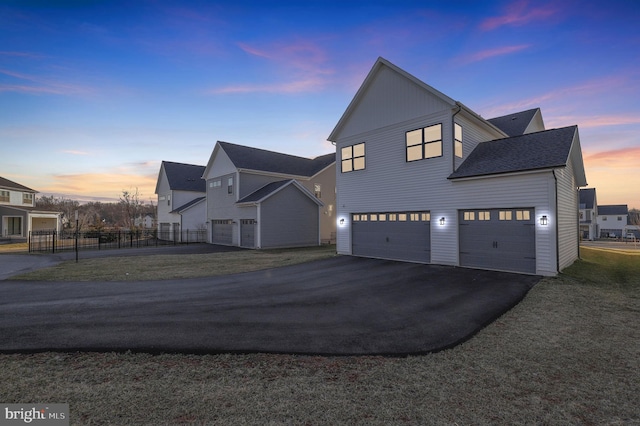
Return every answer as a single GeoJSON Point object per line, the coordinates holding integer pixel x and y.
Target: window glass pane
{"type": "Point", "coordinates": [392, 217]}
{"type": "Point", "coordinates": [358, 163]}
{"type": "Point", "coordinates": [415, 217]}
{"type": "Point", "coordinates": [358, 150]}
{"type": "Point", "coordinates": [458, 149]}
{"type": "Point", "coordinates": [505, 215]}
{"type": "Point", "coordinates": [458, 132]}
{"type": "Point", "coordinates": [364, 217]}
{"type": "Point", "coordinates": [433, 149]}
{"type": "Point", "coordinates": [355, 217]}
{"type": "Point", "coordinates": [526, 215]}
{"type": "Point", "coordinates": [469, 215]}
{"type": "Point", "coordinates": [382, 217]}
{"type": "Point", "coordinates": [347, 152]}
{"type": "Point", "coordinates": [426, 217]}
{"type": "Point", "coordinates": [346, 165]}
{"type": "Point", "coordinates": [414, 153]}
{"type": "Point", "coordinates": [433, 133]}
{"type": "Point", "coordinates": [414, 137]}
{"type": "Point", "coordinates": [373, 217]}
{"type": "Point", "coordinates": [402, 217]}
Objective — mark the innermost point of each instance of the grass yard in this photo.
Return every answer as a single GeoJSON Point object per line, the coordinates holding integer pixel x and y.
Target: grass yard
{"type": "Point", "coordinates": [567, 354]}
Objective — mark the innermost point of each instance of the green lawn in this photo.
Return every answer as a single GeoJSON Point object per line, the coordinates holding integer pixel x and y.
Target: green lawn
{"type": "Point", "coordinates": [567, 354]}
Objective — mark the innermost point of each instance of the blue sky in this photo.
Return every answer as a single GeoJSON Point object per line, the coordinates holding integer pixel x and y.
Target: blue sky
{"type": "Point", "coordinates": [95, 94]}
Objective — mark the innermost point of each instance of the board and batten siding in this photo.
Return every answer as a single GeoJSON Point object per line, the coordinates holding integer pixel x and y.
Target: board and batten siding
{"type": "Point", "coordinates": [289, 218]}
{"type": "Point", "coordinates": [390, 98]}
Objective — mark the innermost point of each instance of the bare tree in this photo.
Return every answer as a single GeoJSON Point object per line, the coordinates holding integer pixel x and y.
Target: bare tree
{"type": "Point", "coordinates": [131, 206]}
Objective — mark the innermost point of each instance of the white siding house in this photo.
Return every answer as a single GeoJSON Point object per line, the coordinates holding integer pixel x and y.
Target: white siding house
{"type": "Point", "coordinates": [613, 220]}
{"type": "Point", "coordinates": [18, 214]}
{"type": "Point", "coordinates": [588, 214]}
{"type": "Point", "coordinates": [421, 177]}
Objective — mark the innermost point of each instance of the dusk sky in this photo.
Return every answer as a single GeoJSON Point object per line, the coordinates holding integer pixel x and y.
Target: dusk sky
{"type": "Point", "coordinates": [95, 94]}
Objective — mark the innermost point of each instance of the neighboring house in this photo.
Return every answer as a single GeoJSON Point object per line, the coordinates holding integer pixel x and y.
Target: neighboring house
{"type": "Point", "coordinates": [588, 214]}
{"type": "Point", "coordinates": [18, 215]}
{"type": "Point", "coordinates": [147, 221]}
{"type": "Point", "coordinates": [423, 178]}
{"type": "Point", "coordinates": [613, 220]}
{"type": "Point", "coordinates": [181, 200]}
{"type": "Point", "coordinates": [261, 199]}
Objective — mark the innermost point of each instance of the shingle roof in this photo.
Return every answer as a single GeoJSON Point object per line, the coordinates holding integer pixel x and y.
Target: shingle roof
{"type": "Point", "coordinates": [587, 198]}
{"type": "Point", "coordinates": [260, 193]}
{"type": "Point", "coordinates": [244, 157]}
{"type": "Point", "coordinates": [613, 209]}
{"type": "Point", "coordinates": [187, 205]}
{"type": "Point", "coordinates": [185, 177]}
{"type": "Point", "coordinates": [9, 184]}
{"type": "Point", "coordinates": [533, 151]}
{"type": "Point", "coordinates": [514, 124]}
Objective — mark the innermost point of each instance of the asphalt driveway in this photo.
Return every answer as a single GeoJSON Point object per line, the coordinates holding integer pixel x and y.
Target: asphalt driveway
{"type": "Point", "coordinates": [340, 306]}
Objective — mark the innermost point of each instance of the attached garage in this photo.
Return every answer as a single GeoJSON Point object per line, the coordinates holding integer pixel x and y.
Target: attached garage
{"type": "Point", "coordinates": [502, 239]}
{"type": "Point", "coordinates": [222, 232]}
{"type": "Point", "coordinates": [398, 236]}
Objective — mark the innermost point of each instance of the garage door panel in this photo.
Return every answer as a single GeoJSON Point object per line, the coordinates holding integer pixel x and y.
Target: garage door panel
{"type": "Point", "coordinates": [398, 240]}
{"type": "Point", "coordinates": [222, 233]}
{"type": "Point", "coordinates": [498, 244]}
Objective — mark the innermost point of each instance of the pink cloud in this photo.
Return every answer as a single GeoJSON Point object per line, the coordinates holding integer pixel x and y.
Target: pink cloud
{"type": "Point", "coordinates": [490, 53]}
{"type": "Point", "coordinates": [42, 85]}
{"type": "Point", "coordinates": [622, 158]}
{"type": "Point", "coordinates": [518, 13]}
{"type": "Point", "coordinates": [74, 152]}
{"type": "Point", "coordinates": [595, 120]}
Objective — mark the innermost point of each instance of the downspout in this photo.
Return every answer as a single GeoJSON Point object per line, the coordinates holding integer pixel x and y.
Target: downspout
{"type": "Point", "coordinates": [556, 222]}
{"type": "Point", "coordinates": [453, 137]}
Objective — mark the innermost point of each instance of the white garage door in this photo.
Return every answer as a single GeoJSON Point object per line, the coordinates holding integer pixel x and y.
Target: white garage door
{"type": "Point", "coordinates": [222, 232]}
{"type": "Point", "coordinates": [501, 239]}
{"type": "Point", "coordinates": [398, 236]}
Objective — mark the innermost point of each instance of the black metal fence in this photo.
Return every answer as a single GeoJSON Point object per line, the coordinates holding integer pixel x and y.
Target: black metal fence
{"type": "Point", "coordinates": [52, 241]}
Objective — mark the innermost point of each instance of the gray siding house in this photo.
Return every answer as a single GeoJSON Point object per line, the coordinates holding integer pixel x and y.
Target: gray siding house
{"type": "Point", "coordinates": [264, 199]}
{"type": "Point", "coordinates": [423, 178]}
{"type": "Point", "coordinates": [613, 220]}
{"type": "Point", "coordinates": [18, 214]}
{"type": "Point", "coordinates": [181, 200]}
{"type": "Point", "coordinates": [588, 214]}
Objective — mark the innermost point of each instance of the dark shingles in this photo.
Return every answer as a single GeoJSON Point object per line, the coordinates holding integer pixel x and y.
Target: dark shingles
{"type": "Point", "coordinates": [248, 158]}
{"type": "Point", "coordinates": [533, 151]}
{"type": "Point", "coordinates": [613, 209]}
{"type": "Point", "coordinates": [184, 177]}
{"type": "Point", "coordinates": [514, 124]}
{"type": "Point", "coordinates": [9, 184]}
{"type": "Point", "coordinates": [587, 198]}
{"type": "Point", "coordinates": [260, 193]}
{"type": "Point", "coordinates": [187, 205]}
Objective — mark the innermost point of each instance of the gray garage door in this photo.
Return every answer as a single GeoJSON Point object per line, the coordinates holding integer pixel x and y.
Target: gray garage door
{"type": "Point", "coordinates": [248, 233]}
{"type": "Point", "coordinates": [502, 239]}
{"type": "Point", "coordinates": [222, 232]}
{"type": "Point", "coordinates": [397, 236]}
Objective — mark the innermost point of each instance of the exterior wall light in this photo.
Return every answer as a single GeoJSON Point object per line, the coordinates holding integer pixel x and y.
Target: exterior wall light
{"type": "Point", "coordinates": [341, 221]}
{"type": "Point", "coordinates": [441, 221]}
{"type": "Point", "coordinates": [544, 220]}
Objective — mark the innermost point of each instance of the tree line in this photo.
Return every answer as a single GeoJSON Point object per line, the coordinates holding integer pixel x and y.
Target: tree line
{"type": "Point", "coordinates": [127, 213]}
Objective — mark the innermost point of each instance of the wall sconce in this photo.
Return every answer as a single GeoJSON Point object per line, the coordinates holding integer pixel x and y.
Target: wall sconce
{"type": "Point", "coordinates": [544, 220]}
{"type": "Point", "coordinates": [441, 221]}
{"type": "Point", "coordinates": [341, 221]}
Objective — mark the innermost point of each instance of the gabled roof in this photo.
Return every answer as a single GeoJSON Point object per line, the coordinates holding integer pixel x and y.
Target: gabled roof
{"type": "Point", "coordinates": [514, 124]}
{"type": "Point", "coordinates": [9, 184]}
{"type": "Point", "coordinates": [189, 204]}
{"type": "Point", "coordinates": [184, 177]}
{"type": "Point", "coordinates": [613, 209]}
{"type": "Point", "coordinates": [533, 151]}
{"type": "Point", "coordinates": [380, 63]}
{"type": "Point", "coordinates": [587, 198]}
{"type": "Point", "coordinates": [272, 188]}
{"type": "Point", "coordinates": [256, 159]}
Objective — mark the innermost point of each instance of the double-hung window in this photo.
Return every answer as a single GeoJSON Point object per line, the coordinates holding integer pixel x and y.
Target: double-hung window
{"type": "Point", "coordinates": [352, 157]}
{"type": "Point", "coordinates": [457, 130]}
{"type": "Point", "coordinates": [424, 143]}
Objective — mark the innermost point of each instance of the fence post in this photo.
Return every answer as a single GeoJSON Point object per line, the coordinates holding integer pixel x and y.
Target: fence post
{"type": "Point", "coordinates": [53, 248]}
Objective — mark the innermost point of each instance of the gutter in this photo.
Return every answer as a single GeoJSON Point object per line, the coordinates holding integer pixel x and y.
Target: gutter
{"type": "Point", "coordinates": [556, 222]}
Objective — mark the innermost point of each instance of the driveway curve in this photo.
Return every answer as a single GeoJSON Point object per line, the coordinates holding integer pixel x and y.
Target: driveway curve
{"type": "Point", "coordinates": [338, 306]}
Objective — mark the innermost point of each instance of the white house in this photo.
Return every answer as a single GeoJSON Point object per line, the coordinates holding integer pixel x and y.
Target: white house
{"type": "Point", "coordinates": [181, 200]}
{"type": "Point", "coordinates": [423, 178]}
{"type": "Point", "coordinates": [588, 214]}
{"type": "Point", "coordinates": [18, 215]}
{"type": "Point", "coordinates": [613, 220]}
{"type": "Point", "coordinates": [262, 199]}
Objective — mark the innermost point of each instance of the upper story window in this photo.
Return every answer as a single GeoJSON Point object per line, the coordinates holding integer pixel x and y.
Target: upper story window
{"type": "Point", "coordinates": [5, 197]}
{"type": "Point", "coordinates": [230, 185]}
{"type": "Point", "coordinates": [317, 190]}
{"type": "Point", "coordinates": [458, 139]}
{"type": "Point", "coordinates": [424, 143]}
{"type": "Point", "coordinates": [215, 183]}
{"type": "Point", "coordinates": [27, 198]}
{"type": "Point", "coordinates": [352, 157]}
